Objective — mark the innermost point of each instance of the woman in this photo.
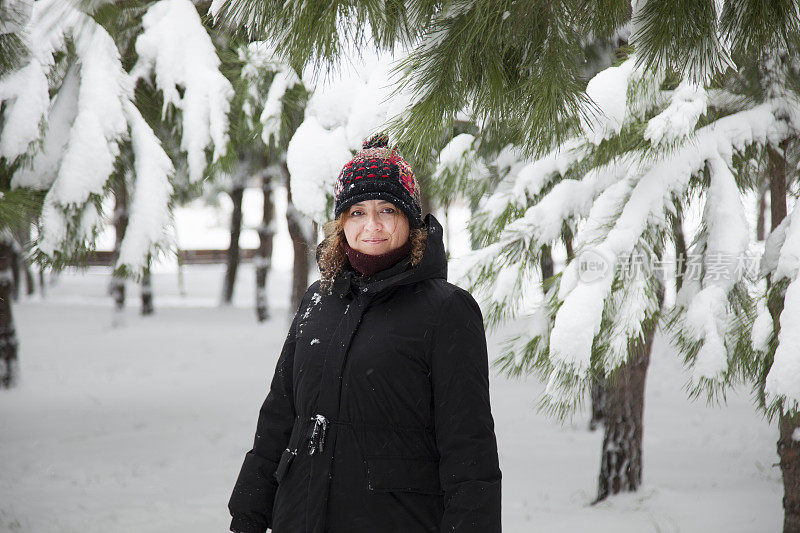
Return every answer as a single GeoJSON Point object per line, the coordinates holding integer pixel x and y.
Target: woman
{"type": "Point", "coordinates": [378, 417]}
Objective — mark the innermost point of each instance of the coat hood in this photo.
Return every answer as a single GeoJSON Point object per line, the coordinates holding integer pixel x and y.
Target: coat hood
{"type": "Point", "coordinates": [433, 265]}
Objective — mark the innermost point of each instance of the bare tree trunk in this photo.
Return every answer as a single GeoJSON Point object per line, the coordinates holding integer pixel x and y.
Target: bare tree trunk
{"type": "Point", "coordinates": [8, 335]}
{"type": "Point", "coordinates": [566, 236]}
{"type": "Point", "coordinates": [179, 256]}
{"type": "Point", "coordinates": [42, 288]}
{"type": "Point", "coordinates": [147, 289]}
{"type": "Point", "coordinates": [16, 279]}
{"type": "Point", "coordinates": [117, 285]}
{"type": "Point", "coordinates": [266, 233]}
{"type": "Point", "coordinates": [621, 461]}
{"type": "Point", "coordinates": [232, 262]}
{"type": "Point", "coordinates": [789, 452]}
{"type": "Point", "coordinates": [680, 246]}
{"type": "Point", "coordinates": [776, 166]}
{"type": "Point", "coordinates": [23, 238]}
{"type": "Point", "coordinates": [788, 447]}
{"type": "Point", "coordinates": [297, 223]}
{"type": "Point", "coordinates": [761, 222]}
{"type": "Point", "coordinates": [598, 402]}
{"type": "Point", "coordinates": [546, 263]}
{"type": "Point", "coordinates": [30, 284]}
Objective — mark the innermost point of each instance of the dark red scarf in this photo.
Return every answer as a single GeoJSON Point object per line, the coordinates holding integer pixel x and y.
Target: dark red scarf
{"type": "Point", "coordinates": [368, 264]}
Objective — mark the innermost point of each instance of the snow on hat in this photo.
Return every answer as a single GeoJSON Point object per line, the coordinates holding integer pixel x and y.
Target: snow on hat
{"type": "Point", "coordinates": [379, 172]}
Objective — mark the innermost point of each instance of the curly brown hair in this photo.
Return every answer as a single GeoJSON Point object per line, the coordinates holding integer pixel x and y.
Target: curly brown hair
{"type": "Point", "coordinates": [332, 256]}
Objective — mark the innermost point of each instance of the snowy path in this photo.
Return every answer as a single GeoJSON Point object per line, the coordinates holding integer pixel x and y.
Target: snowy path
{"type": "Point", "coordinates": [142, 429]}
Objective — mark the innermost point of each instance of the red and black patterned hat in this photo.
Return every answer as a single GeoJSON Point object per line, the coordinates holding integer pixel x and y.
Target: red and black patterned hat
{"type": "Point", "coordinates": [379, 172]}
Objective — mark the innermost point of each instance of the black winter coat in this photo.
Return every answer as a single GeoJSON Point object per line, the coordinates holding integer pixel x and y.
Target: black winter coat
{"type": "Point", "coordinates": [378, 417]}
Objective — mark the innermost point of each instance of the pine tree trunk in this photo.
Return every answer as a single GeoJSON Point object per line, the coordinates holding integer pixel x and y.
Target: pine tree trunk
{"type": "Point", "coordinates": [266, 233]}
{"type": "Point", "coordinates": [788, 447]}
{"type": "Point", "coordinates": [546, 263]}
{"type": "Point", "coordinates": [42, 288]}
{"type": "Point", "coordinates": [598, 402]}
{"type": "Point", "coordinates": [302, 258]}
{"type": "Point", "coordinates": [789, 452]}
{"type": "Point", "coordinates": [680, 246]}
{"type": "Point", "coordinates": [232, 262]}
{"type": "Point", "coordinates": [761, 221]}
{"type": "Point", "coordinates": [566, 236]}
{"type": "Point", "coordinates": [16, 279]}
{"type": "Point", "coordinates": [179, 254]}
{"type": "Point", "coordinates": [23, 238]}
{"type": "Point", "coordinates": [621, 461]}
{"type": "Point", "coordinates": [8, 336]}
{"type": "Point", "coordinates": [30, 284]}
{"type": "Point", "coordinates": [147, 290]}
{"type": "Point", "coordinates": [117, 285]}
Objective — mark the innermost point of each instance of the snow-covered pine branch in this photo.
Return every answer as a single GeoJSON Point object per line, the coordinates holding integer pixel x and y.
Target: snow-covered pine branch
{"type": "Point", "coordinates": [578, 320]}
{"type": "Point", "coordinates": [618, 208]}
{"type": "Point", "coordinates": [92, 146]}
{"type": "Point", "coordinates": [342, 111]}
{"type": "Point", "coordinates": [24, 92]}
{"type": "Point", "coordinates": [69, 145]}
{"type": "Point", "coordinates": [458, 169]}
{"type": "Point", "coordinates": [260, 60]}
{"type": "Point", "coordinates": [152, 190]}
{"type": "Point", "coordinates": [190, 82]}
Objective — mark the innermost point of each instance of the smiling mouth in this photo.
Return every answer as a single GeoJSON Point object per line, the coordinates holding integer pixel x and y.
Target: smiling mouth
{"type": "Point", "coordinates": [374, 241]}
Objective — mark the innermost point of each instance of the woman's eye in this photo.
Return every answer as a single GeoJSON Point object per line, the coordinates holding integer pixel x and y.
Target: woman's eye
{"type": "Point", "coordinates": [355, 213]}
{"type": "Point", "coordinates": [388, 210]}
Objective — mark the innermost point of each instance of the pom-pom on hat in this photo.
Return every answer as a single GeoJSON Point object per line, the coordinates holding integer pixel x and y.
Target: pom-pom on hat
{"type": "Point", "coordinates": [379, 172]}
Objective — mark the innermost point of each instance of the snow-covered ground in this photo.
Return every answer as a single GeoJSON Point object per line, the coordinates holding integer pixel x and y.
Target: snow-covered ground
{"type": "Point", "coordinates": [142, 428]}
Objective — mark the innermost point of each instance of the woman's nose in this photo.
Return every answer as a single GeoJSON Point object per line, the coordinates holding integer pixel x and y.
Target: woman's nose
{"type": "Point", "coordinates": [373, 222]}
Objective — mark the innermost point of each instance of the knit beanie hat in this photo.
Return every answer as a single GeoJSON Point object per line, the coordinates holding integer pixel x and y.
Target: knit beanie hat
{"type": "Point", "coordinates": [378, 172]}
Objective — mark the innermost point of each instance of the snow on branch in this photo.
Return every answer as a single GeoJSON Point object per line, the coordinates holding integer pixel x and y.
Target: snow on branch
{"type": "Point", "coordinates": [91, 148]}
{"type": "Point", "coordinates": [604, 116]}
{"type": "Point", "coordinates": [342, 112]}
{"type": "Point", "coordinates": [285, 78]}
{"type": "Point", "coordinates": [542, 222]}
{"type": "Point", "coordinates": [726, 243]}
{"type": "Point", "coordinates": [688, 103]}
{"type": "Point", "coordinates": [260, 59]}
{"type": "Point", "coordinates": [100, 122]}
{"type": "Point", "coordinates": [458, 167]}
{"type": "Point", "coordinates": [523, 181]}
{"type": "Point", "coordinates": [24, 92]}
{"type": "Point", "coordinates": [41, 171]}
{"type": "Point", "coordinates": [578, 320]}
{"type": "Point", "coordinates": [315, 157]}
{"type": "Point", "coordinates": [150, 213]}
{"type": "Point", "coordinates": [26, 97]}
{"type": "Point", "coordinates": [176, 48]}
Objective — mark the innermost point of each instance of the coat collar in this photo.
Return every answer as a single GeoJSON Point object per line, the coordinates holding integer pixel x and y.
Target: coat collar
{"type": "Point", "coordinates": [433, 265]}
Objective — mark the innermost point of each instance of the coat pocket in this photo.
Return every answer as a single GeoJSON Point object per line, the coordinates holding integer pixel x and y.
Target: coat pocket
{"type": "Point", "coordinates": [283, 466]}
{"type": "Point", "coordinates": [288, 455]}
{"type": "Point", "coordinates": [390, 474]}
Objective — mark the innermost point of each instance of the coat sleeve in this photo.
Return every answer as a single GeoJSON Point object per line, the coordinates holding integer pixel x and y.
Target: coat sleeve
{"type": "Point", "coordinates": [253, 495]}
{"type": "Point", "coordinates": [469, 469]}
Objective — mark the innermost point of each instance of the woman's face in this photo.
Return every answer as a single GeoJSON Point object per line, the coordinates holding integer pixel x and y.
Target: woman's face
{"type": "Point", "coordinates": [375, 227]}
